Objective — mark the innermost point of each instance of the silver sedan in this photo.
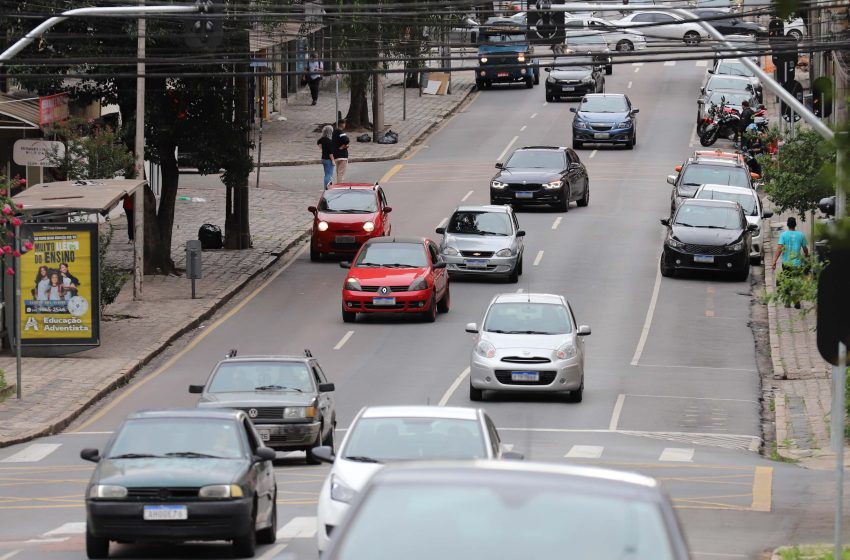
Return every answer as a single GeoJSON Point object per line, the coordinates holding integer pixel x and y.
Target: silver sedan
{"type": "Point", "coordinates": [528, 343]}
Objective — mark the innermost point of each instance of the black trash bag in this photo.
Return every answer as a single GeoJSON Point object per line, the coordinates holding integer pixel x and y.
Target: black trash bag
{"type": "Point", "coordinates": [365, 137]}
{"type": "Point", "coordinates": [210, 237]}
{"type": "Point", "coordinates": [389, 138]}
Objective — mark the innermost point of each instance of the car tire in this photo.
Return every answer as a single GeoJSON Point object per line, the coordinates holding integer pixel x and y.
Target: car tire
{"type": "Point", "coordinates": [537, 76]}
{"type": "Point", "coordinates": [96, 547]}
{"type": "Point", "coordinates": [666, 271]}
{"type": "Point", "coordinates": [577, 395]}
{"type": "Point", "coordinates": [577, 145]}
{"type": "Point", "coordinates": [513, 277]}
{"type": "Point", "coordinates": [549, 97]}
{"type": "Point", "coordinates": [348, 316]}
{"type": "Point", "coordinates": [796, 35]}
{"type": "Point", "coordinates": [743, 274]}
{"type": "Point", "coordinates": [691, 38]}
{"type": "Point", "coordinates": [479, 84]}
{"type": "Point", "coordinates": [585, 198]}
{"type": "Point", "coordinates": [445, 303]}
{"type": "Point", "coordinates": [269, 534]}
{"type": "Point", "coordinates": [476, 395]}
{"type": "Point", "coordinates": [431, 315]}
{"type": "Point", "coordinates": [529, 83]}
{"type": "Point", "coordinates": [328, 441]}
{"type": "Point", "coordinates": [564, 204]}
{"type": "Point", "coordinates": [309, 457]}
{"type": "Point", "coordinates": [625, 46]}
{"type": "Point", "coordinates": [630, 144]}
{"type": "Point", "coordinates": [609, 69]}
{"type": "Point", "coordinates": [519, 266]}
{"type": "Point", "coordinates": [315, 255]}
{"type": "Point", "coordinates": [246, 546]}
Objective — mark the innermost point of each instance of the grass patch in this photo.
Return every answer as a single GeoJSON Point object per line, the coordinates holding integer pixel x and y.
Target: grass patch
{"type": "Point", "coordinates": [813, 552]}
{"type": "Point", "coordinates": [2, 379]}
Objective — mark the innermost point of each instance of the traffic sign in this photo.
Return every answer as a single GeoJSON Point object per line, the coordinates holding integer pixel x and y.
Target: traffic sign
{"type": "Point", "coordinates": [796, 89]}
{"type": "Point", "coordinates": [833, 324]}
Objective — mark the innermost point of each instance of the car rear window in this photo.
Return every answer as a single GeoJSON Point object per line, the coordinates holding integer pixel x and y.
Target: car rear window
{"type": "Point", "coordinates": [261, 376]}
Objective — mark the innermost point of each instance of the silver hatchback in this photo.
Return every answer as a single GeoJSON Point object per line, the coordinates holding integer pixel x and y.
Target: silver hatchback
{"type": "Point", "coordinates": [483, 241]}
{"type": "Point", "coordinates": [528, 343]}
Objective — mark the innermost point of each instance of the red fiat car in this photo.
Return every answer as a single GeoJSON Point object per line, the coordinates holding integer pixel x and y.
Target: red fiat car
{"type": "Point", "coordinates": [348, 215]}
{"type": "Point", "coordinates": [396, 275]}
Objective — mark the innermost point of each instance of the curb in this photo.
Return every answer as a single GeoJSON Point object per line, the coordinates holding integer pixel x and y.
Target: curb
{"type": "Point", "coordinates": [127, 373]}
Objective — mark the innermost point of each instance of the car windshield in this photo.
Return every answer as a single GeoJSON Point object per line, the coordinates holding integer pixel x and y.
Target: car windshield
{"type": "Point", "coordinates": [497, 37]}
{"type": "Point", "coordinates": [527, 318]}
{"type": "Point", "coordinates": [724, 82]}
{"type": "Point", "coordinates": [177, 437]}
{"type": "Point", "coordinates": [746, 200]}
{"type": "Point", "coordinates": [697, 215]}
{"type": "Point", "coordinates": [349, 201]}
{"type": "Point", "coordinates": [273, 375]}
{"type": "Point", "coordinates": [402, 255]}
{"type": "Point", "coordinates": [538, 159]}
{"type": "Point", "coordinates": [733, 69]}
{"type": "Point", "coordinates": [480, 223]}
{"type": "Point", "coordinates": [453, 521]}
{"type": "Point", "coordinates": [696, 175]}
{"type": "Point", "coordinates": [732, 97]}
{"type": "Point", "coordinates": [405, 439]}
{"type": "Point", "coordinates": [604, 105]}
{"type": "Point", "coordinates": [585, 39]}
{"type": "Point", "coordinates": [574, 63]}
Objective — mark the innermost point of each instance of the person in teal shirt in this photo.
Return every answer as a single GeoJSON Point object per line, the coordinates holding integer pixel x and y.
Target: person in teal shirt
{"type": "Point", "coordinates": [791, 244]}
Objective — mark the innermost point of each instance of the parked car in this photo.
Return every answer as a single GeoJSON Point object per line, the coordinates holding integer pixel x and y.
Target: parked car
{"type": "Point", "coordinates": [348, 214]}
{"type": "Point", "coordinates": [571, 77]}
{"type": "Point", "coordinates": [795, 27]}
{"type": "Point", "coordinates": [541, 175]}
{"type": "Point", "coordinates": [723, 22]}
{"type": "Point", "coordinates": [527, 343]}
{"type": "Point", "coordinates": [617, 39]}
{"type": "Point", "coordinates": [665, 26]}
{"type": "Point", "coordinates": [483, 241]}
{"type": "Point", "coordinates": [750, 203]}
{"type": "Point", "coordinates": [708, 167]}
{"type": "Point", "coordinates": [288, 398]}
{"type": "Point", "coordinates": [735, 89]}
{"type": "Point", "coordinates": [605, 118]}
{"type": "Point", "coordinates": [182, 475]}
{"type": "Point", "coordinates": [591, 43]}
{"type": "Point", "coordinates": [707, 235]}
{"type": "Point", "coordinates": [734, 67]}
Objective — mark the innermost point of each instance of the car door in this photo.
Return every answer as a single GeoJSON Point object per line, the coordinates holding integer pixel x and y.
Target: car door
{"type": "Point", "coordinates": [439, 275]}
{"type": "Point", "coordinates": [520, 245]}
{"type": "Point", "coordinates": [668, 28]}
{"type": "Point", "coordinates": [576, 173]}
{"type": "Point", "coordinates": [644, 23]}
{"type": "Point", "coordinates": [327, 403]}
{"type": "Point", "coordinates": [385, 216]}
{"type": "Point", "coordinates": [263, 474]}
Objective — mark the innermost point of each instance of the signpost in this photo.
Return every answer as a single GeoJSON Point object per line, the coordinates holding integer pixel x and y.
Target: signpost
{"type": "Point", "coordinates": [36, 153]}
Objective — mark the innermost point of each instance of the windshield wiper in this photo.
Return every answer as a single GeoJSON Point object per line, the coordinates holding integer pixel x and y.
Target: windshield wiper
{"type": "Point", "coordinates": [367, 264]}
{"type": "Point", "coordinates": [528, 332]}
{"type": "Point", "coordinates": [496, 331]}
{"type": "Point", "coordinates": [691, 184]}
{"type": "Point", "coordinates": [192, 455]}
{"type": "Point", "coordinates": [715, 227]}
{"type": "Point", "coordinates": [276, 388]}
{"type": "Point", "coordinates": [683, 224]}
{"type": "Point", "coordinates": [136, 456]}
{"type": "Point", "coordinates": [400, 265]}
{"type": "Point", "coordinates": [361, 459]}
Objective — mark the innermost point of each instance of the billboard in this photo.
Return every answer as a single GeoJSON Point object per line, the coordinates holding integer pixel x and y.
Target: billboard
{"type": "Point", "coordinates": [52, 108]}
{"type": "Point", "coordinates": [60, 290]}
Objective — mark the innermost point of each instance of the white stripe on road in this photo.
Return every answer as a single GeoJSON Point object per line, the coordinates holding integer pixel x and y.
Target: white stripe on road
{"type": "Point", "coordinates": [453, 387]}
{"type": "Point", "coordinates": [74, 528]}
{"type": "Point", "coordinates": [298, 528]}
{"type": "Point", "coordinates": [593, 153]}
{"type": "Point", "coordinates": [545, 103]}
{"type": "Point", "coordinates": [86, 433]}
{"type": "Point", "coordinates": [615, 415]}
{"type": "Point", "coordinates": [677, 454]}
{"type": "Point", "coordinates": [534, 115]}
{"type": "Point", "coordinates": [467, 195]}
{"type": "Point", "coordinates": [32, 453]}
{"type": "Point", "coordinates": [508, 147]}
{"type": "Point", "coordinates": [523, 128]}
{"type": "Point", "coordinates": [629, 86]}
{"type": "Point", "coordinates": [637, 69]}
{"type": "Point", "coordinates": [670, 63]}
{"type": "Point", "coordinates": [343, 340]}
{"type": "Point", "coordinates": [9, 555]}
{"type": "Point", "coordinates": [557, 222]}
{"type": "Point", "coordinates": [648, 322]}
{"type": "Point", "coordinates": [538, 258]}
{"type": "Point", "coordinates": [585, 452]}
{"type": "Point", "coordinates": [719, 555]}
{"type": "Point", "coordinates": [702, 63]}
{"type": "Point", "coordinates": [273, 552]}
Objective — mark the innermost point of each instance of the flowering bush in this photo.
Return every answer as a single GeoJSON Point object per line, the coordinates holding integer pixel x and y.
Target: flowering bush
{"type": "Point", "coordinates": [9, 218]}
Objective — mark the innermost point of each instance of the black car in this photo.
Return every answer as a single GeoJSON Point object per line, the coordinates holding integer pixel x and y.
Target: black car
{"type": "Point", "coordinates": [574, 76]}
{"type": "Point", "coordinates": [707, 235]}
{"type": "Point", "coordinates": [541, 175]}
{"type": "Point", "coordinates": [605, 118]}
{"type": "Point", "coordinates": [180, 475]}
{"type": "Point", "coordinates": [728, 24]}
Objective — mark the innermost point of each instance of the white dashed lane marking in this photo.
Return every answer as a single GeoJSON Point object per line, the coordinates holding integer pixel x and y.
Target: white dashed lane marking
{"type": "Point", "coordinates": [637, 69]}
{"type": "Point", "coordinates": [32, 453]}
{"type": "Point", "coordinates": [298, 528]}
{"type": "Point", "coordinates": [585, 452]}
{"type": "Point", "coordinates": [557, 222]}
{"type": "Point", "coordinates": [467, 195]}
{"type": "Point", "coordinates": [670, 63]}
{"type": "Point", "coordinates": [343, 340]}
{"type": "Point", "coordinates": [677, 454]}
{"type": "Point", "coordinates": [629, 86]}
{"type": "Point", "coordinates": [538, 258]}
{"type": "Point", "coordinates": [74, 528]}
{"type": "Point", "coordinates": [702, 63]}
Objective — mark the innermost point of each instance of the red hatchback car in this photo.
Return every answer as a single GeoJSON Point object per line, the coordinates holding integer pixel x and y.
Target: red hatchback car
{"type": "Point", "coordinates": [348, 215]}
{"type": "Point", "coordinates": [396, 275]}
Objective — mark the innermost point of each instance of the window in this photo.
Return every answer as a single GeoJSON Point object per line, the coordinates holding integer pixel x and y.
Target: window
{"type": "Point", "coordinates": [664, 18]}
{"type": "Point", "coordinates": [480, 223]}
{"type": "Point", "coordinates": [252, 438]}
{"type": "Point", "coordinates": [494, 436]}
{"type": "Point", "coordinates": [537, 159]}
{"type": "Point", "coordinates": [406, 438]}
{"type": "Point", "coordinates": [382, 197]}
{"type": "Point", "coordinates": [322, 376]}
{"type": "Point", "coordinates": [435, 258]}
{"type": "Point", "coordinates": [401, 255]}
{"type": "Point", "coordinates": [527, 318]}
{"type": "Point", "coordinates": [177, 437]}
{"type": "Point", "coordinates": [574, 23]}
{"type": "Point", "coordinates": [644, 18]}
{"type": "Point", "coordinates": [357, 201]}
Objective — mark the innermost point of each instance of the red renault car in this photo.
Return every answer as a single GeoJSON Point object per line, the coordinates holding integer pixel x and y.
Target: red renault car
{"type": "Point", "coordinates": [396, 275]}
{"type": "Point", "coordinates": [348, 215]}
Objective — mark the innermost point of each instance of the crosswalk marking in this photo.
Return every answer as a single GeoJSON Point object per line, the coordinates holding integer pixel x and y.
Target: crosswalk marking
{"type": "Point", "coordinates": [585, 452]}
{"type": "Point", "coordinates": [702, 63]}
{"type": "Point", "coordinates": [74, 528]}
{"type": "Point", "coordinates": [677, 454]}
{"type": "Point", "coordinates": [670, 63]}
{"type": "Point", "coordinates": [298, 528]}
{"type": "Point", "coordinates": [32, 453]}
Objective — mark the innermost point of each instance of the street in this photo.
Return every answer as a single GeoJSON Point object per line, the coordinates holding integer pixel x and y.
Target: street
{"type": "Point", "coordinates": [672, 385]}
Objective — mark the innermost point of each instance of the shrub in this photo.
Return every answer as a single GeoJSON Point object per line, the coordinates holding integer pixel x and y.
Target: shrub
{"type": "Point", "coordinates": [112, 277]}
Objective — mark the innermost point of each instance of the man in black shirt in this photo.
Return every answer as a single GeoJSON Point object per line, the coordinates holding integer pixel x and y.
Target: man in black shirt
{"type": "Point", "coordinates": [746, 120]}
{"type": "Point", "coordinates": [340, 142]}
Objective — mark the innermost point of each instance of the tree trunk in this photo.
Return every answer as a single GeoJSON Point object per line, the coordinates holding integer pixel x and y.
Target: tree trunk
{"type": "Point", "coordinates": [358, 110]}
{"type": "Point", "coordinates": [159, 225]}
{"type": "Point", "coordinates": [236, 225]}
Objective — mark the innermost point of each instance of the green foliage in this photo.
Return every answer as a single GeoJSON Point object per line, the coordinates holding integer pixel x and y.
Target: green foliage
{"type": "Point", "coordinates": [847, 403]}
{"type": "Point", "coordinates": [112, 278]}
{"type": "Point", "coordinates": [811, 552]}
{"type": "Point", "coordinates": [800, 283]}
{"type": "Point", "coordinates": [91, 152]}
{"type": "Point", "coordinates": [2, 379]}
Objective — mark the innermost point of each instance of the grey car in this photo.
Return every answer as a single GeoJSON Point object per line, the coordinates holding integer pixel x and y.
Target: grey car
{"type": "Point", "coordinates": [483, 241]}
{"type": "Point", "coordinates": [592, 43]}
{"type": "Point", "coordinates": [288, 398]}
{"type": "Point", "coordinates": [509, 509]}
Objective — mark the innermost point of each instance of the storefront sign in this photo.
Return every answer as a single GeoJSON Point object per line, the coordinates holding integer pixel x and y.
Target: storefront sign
{"type": "Point", "coordinates": [52, 108]}
{"type": "Point", "coordinates": [37, 152]}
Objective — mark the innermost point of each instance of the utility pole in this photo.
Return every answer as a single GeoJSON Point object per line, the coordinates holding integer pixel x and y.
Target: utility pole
{"type": "Point", "coordinates": [377, 105]}
{"type": "Point", "coordinates": [139, 195]}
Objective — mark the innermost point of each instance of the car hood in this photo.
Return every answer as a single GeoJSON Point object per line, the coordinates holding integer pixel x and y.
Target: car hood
{"type": "Point", "coordinates": [334, 219]}
{"type": "Point", "coordinates": [386, 276]}
{"type": "Point", "coordinates": [514, 344]}
{"type": "Point", "coordinates": [569, 73]}
{"type": "Point", "coordinates": [518, 175]}
{"type": "Point", "coordinates": [255, 399]}
{"type": "Point", "coordinates": [602, 117]}
{"type": "Point", "coordinates": [170, 472]}
{"type": "Point", "coordinates": [706, 236]}
{"type": "Point", "coordinates": [754, 220]}
{"type": "Point", "coordinates": [353, 473]}
{"type": "Point", "coordinates": [477, 242]}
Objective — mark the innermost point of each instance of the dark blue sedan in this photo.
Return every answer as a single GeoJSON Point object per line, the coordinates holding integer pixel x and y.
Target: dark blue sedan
{"type": "Point", "coordinates": [604, 118]}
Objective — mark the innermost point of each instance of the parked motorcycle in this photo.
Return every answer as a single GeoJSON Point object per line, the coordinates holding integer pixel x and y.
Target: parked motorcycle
{"type": "Point", "coordinates": [725, 124]}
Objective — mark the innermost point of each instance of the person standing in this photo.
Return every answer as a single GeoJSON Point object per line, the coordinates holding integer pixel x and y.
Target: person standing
{"type": "Point", "coordinates": [315, 68]}
{"type": "Point", "coordinates": [327, 144]}
{"type": "Point", "coordinates": [340, 139]}
{"type": "Point", "coordinates": [791, 243]}
{"type": "Point", "coordinates": [128, 210]}
{"type": "Point", "coordinates": [745, 121]}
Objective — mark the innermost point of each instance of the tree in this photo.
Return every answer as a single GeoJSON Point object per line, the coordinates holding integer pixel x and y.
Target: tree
{"type": "Point", "coordinates": [91, 152]}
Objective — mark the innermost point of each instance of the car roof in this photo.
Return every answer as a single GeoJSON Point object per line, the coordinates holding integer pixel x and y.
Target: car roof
{"type": "Point", "coordinates": [605, 95]}
{"type": "Point", "coordinates": [368, 186]}
{"type": "Point", "coordinates": [267, 358]}
{"type": "Point", "coordinates": [396, 239]}
{"type": "Point", "coordinates": [190, 413]}
{"type": "Point", "coordinates": [559, 148]}
{"type": "Point", "coordinates": [730, 77]}
{"type": "Point", "coordinates": [525, 298]}
{"type": "Point", "coordinates": [504, 209]}
{"type": "Point", "coordinates": [421, 411]}
{"type": "Point", "coordinates": [727, 189]}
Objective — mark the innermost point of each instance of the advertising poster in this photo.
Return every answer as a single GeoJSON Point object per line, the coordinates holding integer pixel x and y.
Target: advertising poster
{"type": "Point", "coordinates": [59, 285]}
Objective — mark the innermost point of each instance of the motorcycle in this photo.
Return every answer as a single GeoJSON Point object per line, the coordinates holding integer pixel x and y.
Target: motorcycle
{"type": "Point", "coordinates": [707, 119]}
{"type": "Point", "coordinates": [725, 123]}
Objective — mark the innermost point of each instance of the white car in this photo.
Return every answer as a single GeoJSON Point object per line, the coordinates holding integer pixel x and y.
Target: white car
{"type": "Point", "coordinates": [794, 27]}
{"type": "Point", "coordinates": [665, 26]}
{"type": "Point", "coordinates": [390, 434]}
{"type": "Point", "coordinates": [617, 39]}
{"type": "Point", "coordinates": [749, 201]}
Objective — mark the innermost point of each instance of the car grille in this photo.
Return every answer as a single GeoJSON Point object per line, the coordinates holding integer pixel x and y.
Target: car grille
{"type": "Point", "coordinates": [266, 413]}
{"type": "Point", "coordinates": [601, 126]}
{"type": "Point", "coordinates": [504, 377]}
{"type": "Point", "coordinates": [526, 360]}
{"type": "Point", "coordinates": [481, 254]}
{"type": "Point", "coordinates": [568, 82]}
{"type": "Point", "coordinates": [161, 494]}
{"type": "Point", "coordinates": [281, 439]}
{"type": "Point", "coordinates": [376, 288]}
{"type": "Point", "coordinates": [502, 60]}
{"type": "Point", "coordinates": [532, 187]}
{"type": "Point", "coordinates": [706, 249]}
{"type": "Point", "coordinates": [383, 307]}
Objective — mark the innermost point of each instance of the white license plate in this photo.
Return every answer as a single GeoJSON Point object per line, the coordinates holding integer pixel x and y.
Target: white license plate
{"type": "Point", "coordinates": [525, 195]}
{"type": "Point", "coordinates": [601, 135]}
{"type": "Point", "coordinates": [567, 88]}
{"type": "Point", "coordinates": [165, 513]}
{"type": "Point", "coordinates": [264, 435]}
{"type": "Point", "coordinates": [703, 259]}
{"type": "Point", "coordinates": [525, 376]}
{"type": "Point", "coordinates": [345, 239]}
{"type": "Point", "coordinates": [383, 301]}
{"type": "Point", "coordinates": [476, 263]}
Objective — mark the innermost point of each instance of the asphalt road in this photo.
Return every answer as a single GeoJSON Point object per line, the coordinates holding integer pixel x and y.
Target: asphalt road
{"type": "Point", "coordinates": [671, 389]}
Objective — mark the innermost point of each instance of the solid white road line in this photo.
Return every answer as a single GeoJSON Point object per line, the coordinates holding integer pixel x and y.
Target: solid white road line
{"type": "Point", "coordinates": [467, 195]}
{"type": "Point", "coordinates": [557, 222]}
{"type": "Point", "coordinates": [670, 63]}
{"type": "Point", "coordinates": [523, 128]}
{"type": "Point", "coordinates": [648, 322]}
{"type": "Point", "coordinates": [637, 69]}
{"type": "Point", "coordinates": [9, 555]}
{"type": "Point", "coordinates": [273, 552]}
{"type": "Point", "coordinates": [585, 452]}
{"type": "Point", "coordinates": [618, 409]}
{"type": "Point", "coordinates": [508, 147]}
{"type": "Point", "coordinates": [593, 153]}
{"type": "Point", "coordinates": [32, 453]}
{"type": "Point", "coordinates": [677, 454]}
{"type": "Point", "coordinates": [453, 387]}
{"type": "Point", "coordinates": [538, 258]}
{"type": "Point", "coordinates": [532, 116]}
{"type": "Point", "coordinates": [343, 340]}
{"type": "Point", "coordinates": [74, 528]}
{"type": "Point", "coordinates": [85, 433]}
{"type": "Point", "coordinates": [702, 63]}
{"type": "Point", "coordinates": [298, 528]}
{"type": "Point", "coordinates": [629, 86]}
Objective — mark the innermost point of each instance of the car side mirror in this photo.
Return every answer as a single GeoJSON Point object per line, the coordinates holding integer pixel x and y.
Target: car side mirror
{"type": "Point", "coordinates": [767, 214]}
{"type": "Point", "coordinates": [264, 454]}
{"type": "Point", "coordinates": [665, 221]}
{"type": "Point", "coordinates": [755, 175]}
{"type": "Point", "coordinates": [635, 111]}
{"type": "Point", "coordinates": [752, 227]}
{"type": "Point", "coordinates": [90, 454]}
{"type": "Point", "coordinates": [440, 230]}
{"type": "Point", "coordinates": [548, 69]}
{"type": "Point", "coordinates": [324, 453]}
{"type": "Point", "coordinates": [572, 109]}
{"type": "Point", "coordinates": [520, 233]}
{"type": "Point", "coordinates": [500, 165]}
{"type": "Point", "coordinates": [196, 389]}
{"type": "Point", "coordinates": [471, 328]}
{"type": "Point", "coordinates": [575, 165]}
{"type": "Point", "coordinates": [312, 209]}
{"type": "Point", "coordinates": [711, 71]}
{"type": "Point", "coordinates": [438, 265]}
{"type": "Point", "coordinates": [671, 179]}
{"type": "Point", "coordinates": [327, 387]}
{"type": "Point", "coordinates": [388, 209]}
{"type": "Point", "coordinates": [513, 456]}
{"type": "Point", "coordinates": [583, 330]}
{"type": "Point", "coordinates": [345, 264]}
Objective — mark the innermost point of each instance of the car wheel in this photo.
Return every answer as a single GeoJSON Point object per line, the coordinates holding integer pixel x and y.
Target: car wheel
{"type": "Point", "coordinates": [513, 277]}
{"type": "Point", "coordinates": [348, 316]}
{"type": "Point", "coordinates": [609, 69]}
{"type": "Point", "coordinates": [564, 204]}
{"type": "Point", "coordinates": [549, 97]}
{"type": "Point", "coordinates": [537, 77]}
{"type": "Point", "coordinates": [479, 84]}
{"type": "Point", "coordinates": [476, 394]}
{"type": "Point", "coordinates": [529, 83]}
{"type": "Point", "coordinates": [246, 546]}
{"type": "Point", "coordinates": [96, 547]}
{"type": "Point", "coordinates": [743, 274]}
{"type": "Point", "coordinates": [315, 255]}
{"type": "Point", "coordinates": [692, 38]}
{"type": "Point", "coordinates": [666, 271]}
{"type": "Point", "coordinates": [630, 144]}
{"type": "Point", "coordinates": [796, 35]}
{"type": "Point", "coordinates": [577, 395]}
{"type": "Point", "coordinates": [625, 45]}
{"type": "Point", "coordinates": [585, 198]}
{"type": "Point", "coordinates": [577, 145]}
{"type": "Point", "coordinates": [328, 441]}
{"type": "Point", "coordinates": [519, 265]}
{"type": "Point", "coordinates": [269, 534]}
{"type": "Point", "coordinates": [431, 315]}
{"type": "Point", "coordinates": [310, 458]}
{"type": "Point", "coordinates": [755, 260]}
{"type": "Point", "coordinates": [445, 303]}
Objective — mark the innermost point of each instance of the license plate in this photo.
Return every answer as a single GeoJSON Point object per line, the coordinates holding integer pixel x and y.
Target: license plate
{"type": "Point", "coordinates": [525, 376]}
{"type": "Point", "coordinates": [601, 135]}
{"type": "Point", "coordinates": [525, 195]}
{"type": "Point", "coordinates": [165, 513]}
{"type": "Point", "coordinates": [568, 88]}
{"type": "Point", "coordinates": [345, 239]}
{"type": "Point", "coordinates": [265, 435]}
{"type": "Point", "coordinates": [476, 263]}
{"type": "Point", "coordinates": [501, 74]}
{"type": "Point", "coordinates": [703, 259]}
{"type": "Point", "coordinates": [383, 301]}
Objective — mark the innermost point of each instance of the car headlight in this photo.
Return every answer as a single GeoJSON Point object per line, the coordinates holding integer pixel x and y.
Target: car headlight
{"type": "Point", "coordinates": [485, 349]}
{"type": "Point", "coordinates": [736, 246]}
{"type": "Point", "coordinates": [369, 226]}
{"type": "Point", "coordinates": [220, 491]}
{"type": "Point", "coordinates": [297, 412]}
{"type": "Point", "coordinates": [484, 60]}
{"type": "Point", "coordinates": [107, 491]}
{"type": "Point", "coordinates": [553, 184]}
{"type": "Point", "coordinates": [498, 184]}
{"type": "Point", "coordinates": [353, 284]}
{"type": "Point", "coordinates": [340, 491]}
{"type": "Point", "coordinates": [673, 242]}
{"type": "Point", "coordinates": [451, 251]}
{"type": "Point", "coordinates": [520, 58]}
{"type": "Point", "coordinates": [504, 253]}
{"type": "Point", "coordinates": [624, 124]}
{"type": "Point", "coordinates": [581, 124]}
{"type": "Point", "coordinates": [420, 283]}
{"type": "Point", "coordinates": [566, 351]}
{"type": "Point", "coordinates": [323, 226]}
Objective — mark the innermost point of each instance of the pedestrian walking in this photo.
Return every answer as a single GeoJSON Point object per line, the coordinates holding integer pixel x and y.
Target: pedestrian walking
{"type": "Point", "coordinates": [315, 68]}
{"type": "Point", "coordinates": [791, 243]}
{"type": "Point", "coordinates": [340, 139]}
{"type": "Point", "coordinates": [327, 144]}
{"type": "Point", "coordinates": [128, 210]}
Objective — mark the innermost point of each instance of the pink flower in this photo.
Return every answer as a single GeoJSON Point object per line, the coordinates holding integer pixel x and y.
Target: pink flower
{"type": "Point", "coordinates": [16, 222]}
{"type": "Point", "coordinates": [23, 181]}
{"type": "Point", "coordinates": [7, 249]}
{"type": "Point", "coordinates": [20, 205]}
{"type": "Point", "coordinates": [16, 253]}
{"type": "Point", "coordinates": [7, 210]}
{"type": "Point", "coordinates": [28, 246]}
{"type": "Point", "coordinates": [2, 192]}
{"type": "Point", "coordinates": [10, 271]}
